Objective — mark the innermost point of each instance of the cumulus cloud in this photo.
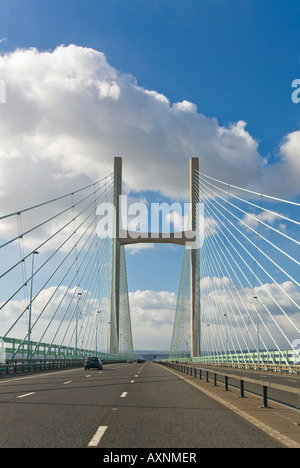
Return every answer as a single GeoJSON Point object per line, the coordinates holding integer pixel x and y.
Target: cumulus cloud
{"type": "Point", "coordinates": [54, 313]}
{"type": "Point", "coordinates": [276, 307]}
{"type": "Point", "coordinates": [153, 313]}
{"type": "Point", "coordinates": [282, 178]}
{"type": "Point", "coordinates": [69, 112]}
{"type": "Point", "coordinates": [55, 310]}
{"type": "Point", "coordinates": [152, 316]}
{"type": "Point", "coordinates": [267, 217]}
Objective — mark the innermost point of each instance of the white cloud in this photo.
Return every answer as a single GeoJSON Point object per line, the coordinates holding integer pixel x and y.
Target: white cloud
{"type": "Point", "coordinates": [153, 313]}
{"type": "Point", "coordinates": [69, 112]}
{"type": "Point", "coordinates": [252, 220]}
{"type": "Point", "coordinates": [275, 307]}
{"type": "Point", "coordinates": [152, 317]}
{"type": "Point", "coordinates": [214, 283]}
{"type": "Point", "coordinates": [282, 178]}
{"type": "Point", "coordinates": [179, 220]}
{"type": "Point", "coordinates": [54, 313]}
{"type": "Point", "coordinates": [134, 249]}
{"type": "Point", "coordinates": [185, 106]}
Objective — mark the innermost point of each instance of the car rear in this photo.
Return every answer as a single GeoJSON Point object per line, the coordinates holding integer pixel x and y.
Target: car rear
{"type": "Point", "coordinates": [93, 362]}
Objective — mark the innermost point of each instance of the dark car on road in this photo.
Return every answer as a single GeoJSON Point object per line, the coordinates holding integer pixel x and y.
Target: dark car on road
{"type": "Point", "coordinates": [93, 362]}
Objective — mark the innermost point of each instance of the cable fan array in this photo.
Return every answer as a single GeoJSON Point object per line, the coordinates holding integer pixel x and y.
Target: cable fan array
{"type": "Point", "coordinates": [249, 278]}
{"type": "Point", "coordinates": [56, 277]}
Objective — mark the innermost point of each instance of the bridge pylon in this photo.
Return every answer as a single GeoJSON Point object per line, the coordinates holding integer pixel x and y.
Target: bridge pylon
{"type": "Point", "coordinates": [187, 238]}
{"type": "Point", "coordinates": [116, 261]}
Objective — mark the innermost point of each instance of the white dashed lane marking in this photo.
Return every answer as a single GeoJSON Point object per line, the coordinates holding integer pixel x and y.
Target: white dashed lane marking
{"type": "Point", "coordinates": [98, 436]}
{"type": "Point", "coordinates": [26, 395]}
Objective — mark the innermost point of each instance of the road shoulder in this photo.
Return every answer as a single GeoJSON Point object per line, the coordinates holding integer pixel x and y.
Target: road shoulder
{"type": "Point", "coordinates": [278, 421]}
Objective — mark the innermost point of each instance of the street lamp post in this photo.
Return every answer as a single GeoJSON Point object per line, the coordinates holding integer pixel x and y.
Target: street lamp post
{"type": "Point", "coordinates": [109, 323]}
{"type": "Point", "coordinates": [76, 331]}
{"type": "Point", "coordinates": [227, 344]}
{"type": "Point", "coordinates": [35, 252]}
{"type": "Point", "coordinates": [97, 324]}
{"type": "Point", "coordinates": [208, 325]}
{"type": "Point", "coordinates": [257, 327]}
{"type": "Point", "coordinates": [187, 349]}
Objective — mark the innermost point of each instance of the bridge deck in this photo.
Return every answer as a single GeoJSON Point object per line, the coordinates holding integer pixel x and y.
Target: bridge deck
{"type": "Point", "coordinates": [125, 406]}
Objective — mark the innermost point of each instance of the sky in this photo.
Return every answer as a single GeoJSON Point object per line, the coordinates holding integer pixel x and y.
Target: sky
{"type": "Point", "coordinates": [156, 82]}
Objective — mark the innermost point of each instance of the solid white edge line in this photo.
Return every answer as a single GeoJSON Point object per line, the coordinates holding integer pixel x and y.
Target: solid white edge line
{"type": "Point", "coordinates": [98, 436]}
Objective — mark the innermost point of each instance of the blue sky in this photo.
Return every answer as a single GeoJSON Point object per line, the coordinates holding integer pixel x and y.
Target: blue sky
{"type": "Point", "coordinates": [234, 59]}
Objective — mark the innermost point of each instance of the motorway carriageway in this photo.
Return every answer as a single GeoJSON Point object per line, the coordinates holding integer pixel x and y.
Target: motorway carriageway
{"type": "Point", "coordinates": [123, 406]}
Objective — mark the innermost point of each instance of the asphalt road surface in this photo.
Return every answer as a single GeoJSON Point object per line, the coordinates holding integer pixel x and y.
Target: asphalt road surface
{"type": "Point", "coordinates": [125, 406]}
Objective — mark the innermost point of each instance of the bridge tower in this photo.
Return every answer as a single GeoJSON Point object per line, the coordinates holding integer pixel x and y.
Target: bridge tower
{"type": "Point", "coordinates": [195, 263]}
{"type": "Point", "coordinates": [187, 238]}
{"type": "Point", "coordinates": [116, 257]}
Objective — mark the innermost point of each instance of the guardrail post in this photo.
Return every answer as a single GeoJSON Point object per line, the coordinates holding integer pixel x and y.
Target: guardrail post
{"type": "Point", "coordinates": [265, 396]}
{"type": "Point", "coordinates": [215, 380]}
{"type": "Point", "coordinates": [242, 388]}
{"type": "Point", "coordinates": [207, 377]}
{"type": "Point", "coordinates": [226, 384]}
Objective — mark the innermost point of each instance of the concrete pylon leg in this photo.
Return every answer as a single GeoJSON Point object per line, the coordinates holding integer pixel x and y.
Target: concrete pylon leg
{"type": "Point", "coordinates": [195, 265]}
{"type": "Point", "coordinates": [115, 269]}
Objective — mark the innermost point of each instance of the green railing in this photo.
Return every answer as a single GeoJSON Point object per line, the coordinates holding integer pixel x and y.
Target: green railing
{"type": "Point", "coordinates": [18, 349]}
{"type": "Point", "coordinates": [283, 357]}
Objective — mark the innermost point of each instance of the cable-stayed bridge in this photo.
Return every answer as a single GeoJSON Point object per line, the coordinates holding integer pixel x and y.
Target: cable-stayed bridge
{"type": "Point", "coordinates": [64, 291]}
{"type": "Point", "coordinates": [248, 275]}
